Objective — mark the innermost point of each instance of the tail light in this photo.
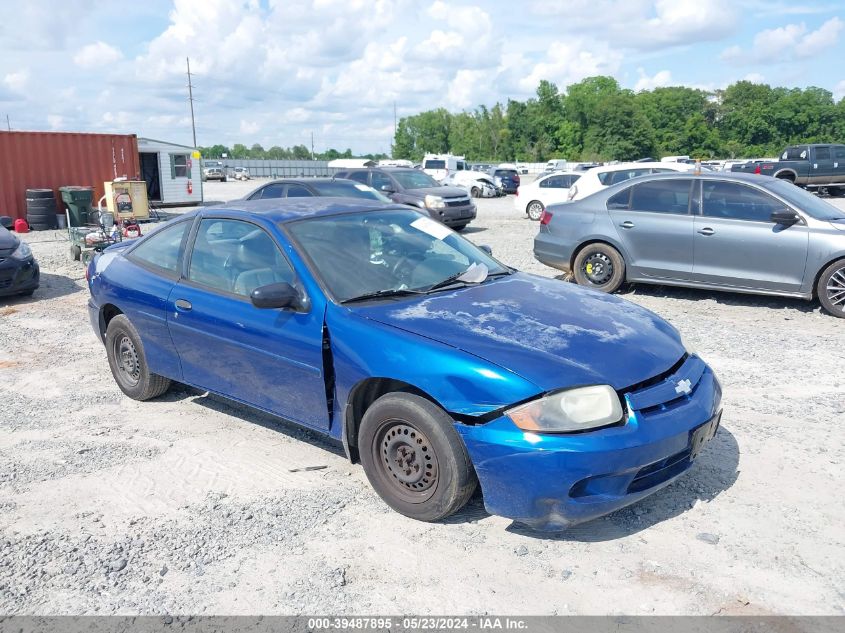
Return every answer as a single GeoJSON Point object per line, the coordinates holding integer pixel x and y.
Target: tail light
{"type": "Point", "coordinates": [516, 179]}
{"type": "Point", "coordinates": [545, 217]}
{"type": "Point", "coordinates": [757, 169]}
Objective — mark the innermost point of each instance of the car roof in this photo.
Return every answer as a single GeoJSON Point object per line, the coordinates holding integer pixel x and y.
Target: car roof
{"type": "Point", "coordinates": [704, 175]}
{"type": "Point", "coordinates": [287, 209]}
{"type": "Point", "coordinates": [305, 181]}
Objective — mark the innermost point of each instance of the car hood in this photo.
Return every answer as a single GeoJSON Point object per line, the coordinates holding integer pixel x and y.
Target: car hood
{"type": "Point", "coordinates": [553, 333]}
{"type": "Point", "coordinates": [445, 191]}
{"type": "Point", "coordinates": [8, 242]}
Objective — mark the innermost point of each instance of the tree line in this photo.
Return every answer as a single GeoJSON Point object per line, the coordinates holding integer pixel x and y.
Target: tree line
{"type": "Point", "coordinates": [297, 152]}
{"type": "Point", "coordinates": [596, 119]}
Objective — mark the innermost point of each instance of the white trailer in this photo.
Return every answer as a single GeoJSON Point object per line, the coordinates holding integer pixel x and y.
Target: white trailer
{"type": "Point", "coordinates": [172, 172]}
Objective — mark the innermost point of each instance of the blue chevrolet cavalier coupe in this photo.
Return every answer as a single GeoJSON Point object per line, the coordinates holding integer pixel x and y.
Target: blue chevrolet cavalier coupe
{"type": "Point", "coordinates": [436, 366]}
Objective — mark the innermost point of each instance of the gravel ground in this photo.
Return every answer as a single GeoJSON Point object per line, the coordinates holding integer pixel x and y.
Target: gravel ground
{"type": "Point", "coordinates": [189, 504]}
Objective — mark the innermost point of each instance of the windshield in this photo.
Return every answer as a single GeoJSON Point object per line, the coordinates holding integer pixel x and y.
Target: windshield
{"type": "Point", "coordinates": [391, 250]}
{"type": "Point", "coordinates": [341, 189]}
{"type": "Point", "coordinates": [804, 200]}
{"type": "Point", "coordinates": [413, 179]}
{"type": "Point", "coordinates": [435, 164]}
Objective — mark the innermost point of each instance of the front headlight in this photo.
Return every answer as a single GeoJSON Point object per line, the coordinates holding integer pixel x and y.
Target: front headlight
{"type": "Point", "coordinates": [23, 251]}
{"type": "Point", "coordinates": [567, 411]}
{"type": "Point", "coordinates": [435, 202]}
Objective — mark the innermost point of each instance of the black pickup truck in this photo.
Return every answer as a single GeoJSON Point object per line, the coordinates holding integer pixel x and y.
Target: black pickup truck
{"type": "Point", "coordinates": [811, 166]}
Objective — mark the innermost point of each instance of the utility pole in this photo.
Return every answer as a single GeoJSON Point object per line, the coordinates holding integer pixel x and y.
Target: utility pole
{"type": "Point", "coordinates": [191, 101]}
{"type": "Point", "coordinates": [8, 125]}
{"type": "Point", "coordinates": [312, 145]}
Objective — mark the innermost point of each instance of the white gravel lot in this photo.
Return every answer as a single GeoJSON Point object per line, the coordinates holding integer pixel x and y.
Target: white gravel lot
{"type": "Point", "coordinates": [188, 504]}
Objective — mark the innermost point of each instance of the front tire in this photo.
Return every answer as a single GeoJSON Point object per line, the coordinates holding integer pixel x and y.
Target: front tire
{"type": "Point", "coordinates": [414, 458]}
{"type": "Point", "coordinates": [535, 210]}
{"type": "Point", "coordinates": [600, 267]}
{"type": "Point", "coordinates": [128, 362]}
{"type": "Point", "coordinates": [831, 289]}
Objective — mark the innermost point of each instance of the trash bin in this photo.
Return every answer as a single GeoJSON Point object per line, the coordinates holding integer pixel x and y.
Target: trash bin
{"type": "Point", "coordinates": [78, 201]}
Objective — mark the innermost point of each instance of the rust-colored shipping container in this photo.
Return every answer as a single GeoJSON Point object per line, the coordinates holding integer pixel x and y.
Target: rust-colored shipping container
{"type": "Point", "coordinates": [33, 160]}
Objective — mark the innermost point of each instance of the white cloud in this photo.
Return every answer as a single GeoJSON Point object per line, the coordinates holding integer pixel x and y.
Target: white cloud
{"type": "Point", "coordinates": [249, 127]}
{"type": "Point", "coordinates": [659, 80]}
{"type": "Point", "coordinates": [96, 55]}
{"type": "Point", "coordinates": [571, 61]}
{"type": "Point", "coordinates": [17, 81]}
{"type": "Point", "coordinates": [788, 43]}
{"type": "Point", "coordinates": [55, 121]}
{"type": "Point", "coordinates": [755, 78]}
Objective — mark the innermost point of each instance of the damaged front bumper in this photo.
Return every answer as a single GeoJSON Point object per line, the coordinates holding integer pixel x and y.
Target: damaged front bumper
{"type": "Point", "coordinates": [550, 482]}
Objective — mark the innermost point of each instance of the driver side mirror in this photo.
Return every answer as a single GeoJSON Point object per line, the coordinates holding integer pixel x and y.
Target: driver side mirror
{"type": "Point", "coordinates": [387, 189]}
{"type": "Point", "coordinates": [486, 248]}
{"type": "Point", "coordinates": [277, 295]}
{"type": "Point", "coordinates": [786, 217]}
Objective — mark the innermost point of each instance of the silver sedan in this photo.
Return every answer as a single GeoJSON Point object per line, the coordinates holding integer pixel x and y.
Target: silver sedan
{"type": "Point", "coordinates": [719, 231]}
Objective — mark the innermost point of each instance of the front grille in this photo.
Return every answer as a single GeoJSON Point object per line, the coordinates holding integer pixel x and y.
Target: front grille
{"type": "Point", "coordinates": [457, 202]}
{"type": "Point", "coordinates": [668, 390]}
{"type": "Point", "coordinates": [5, 283]}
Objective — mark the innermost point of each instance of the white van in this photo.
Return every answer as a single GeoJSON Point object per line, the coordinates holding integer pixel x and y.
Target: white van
{"type": "Point", "coordinates": [439, 166]}
{"type": "Point", "coordinates": [556, 164]}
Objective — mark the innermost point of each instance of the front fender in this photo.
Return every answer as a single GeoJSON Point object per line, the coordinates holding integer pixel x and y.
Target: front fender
{"type": "Point", "coordinates": [463, 384]}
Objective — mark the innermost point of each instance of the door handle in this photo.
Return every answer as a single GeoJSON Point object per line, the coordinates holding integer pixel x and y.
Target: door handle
{"type": "Point", "coordinates": [627, 224]}
{"type": "Point", "coordinates": [706, 231]}
{"type": "Point", "coordinates": [181, 304]}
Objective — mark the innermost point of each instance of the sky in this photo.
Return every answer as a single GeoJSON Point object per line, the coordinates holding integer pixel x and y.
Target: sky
{"type": "Point", "coordinates": [276, 72]}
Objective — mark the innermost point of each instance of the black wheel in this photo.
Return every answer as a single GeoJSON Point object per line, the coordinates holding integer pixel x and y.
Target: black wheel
{"type": "Point", "coordinates": [599, 266]}
{"type": "Point", "coordinates": [75, 252]}
{"type": "Point", "coordinates": [27, 293]}
{"type": "Point", "coordinates": [831, 289]}
{"type": "Point", "coordinates": [6, 221]}
{"type": "Point", "coordinates": [535, 210]}
{"type": "Point", "coordinates": [834, 191]}
{"type": "Point", "coordinates": [475, 192]}
{"type": "Point", "coordinates": [414, 458]}
{"type": "Point", "coordinates": [128, 363]}
{"type": "Point", "coordinates": [44, 218]}
{"type": "Point", "coordinates": [459, 227]}
{"type": "Point", "coordinates": [35, 194]}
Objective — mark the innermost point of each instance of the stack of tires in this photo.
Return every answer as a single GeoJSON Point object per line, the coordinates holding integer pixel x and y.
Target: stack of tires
{"type": "Point", "coordinates": [41, 209]}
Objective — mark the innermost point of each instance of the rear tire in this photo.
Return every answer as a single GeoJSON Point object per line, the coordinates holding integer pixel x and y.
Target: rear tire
{"type": "Point", "coordinates": [831, 289]}
{"type": "Point", "coordinates": [128, 362]}
{"type": "Point", "coordinates": [599, 266]}
{"type": "Point", "coordinates": [414, 458]}
{"type": "Point", "coordinates": [535, 210]}
{"type": "Point", "coordinates": [75, 252]}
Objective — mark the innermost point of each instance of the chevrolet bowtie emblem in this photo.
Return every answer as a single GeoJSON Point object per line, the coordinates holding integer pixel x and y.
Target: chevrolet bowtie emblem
{"type": "Point", "coordinates": [684, 386]}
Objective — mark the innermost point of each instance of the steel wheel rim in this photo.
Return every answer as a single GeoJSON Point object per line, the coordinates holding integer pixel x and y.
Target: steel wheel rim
{"type": "Point", "coordinates": [598, 268]}
{"type": "Point", "coordinates": [406, 461]}
{"type": "Point", "coordinates": [535, 210]}
{"type": "Point", "coordinates": [127, 361]}
{"type": "Point", "coordinates": [836, 289]}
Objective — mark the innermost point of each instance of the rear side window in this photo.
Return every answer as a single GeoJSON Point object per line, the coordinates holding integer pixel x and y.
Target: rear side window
{"type": "Point", "coordinates": [298, 191]}
{"type": "Point", "coordinates": [505, 172]}
{"type": "Point", "coordinates": [435, 164]}
{"type": "Point", "coordinates": [822, 153]}
{"type": "Point", "coordinates": [614, 177]}
{"type": "Point", "coordinates": [662, 196]}
{"type": "Point", "coordinates": [737, 202]}
{"type": "Point", "coordinates": [161, 249]}
{"type": "Point", "coordinates": [270, 191]}
{"type": "Point", "coordinates": [553, 182]}
{"type": "Point", "coordinates": [621, 200]}
{"type": "Point", "coordinates": [358, 176]}
{"type": "Point", "coordinates": [795, 153]}
{"type": "Point", "coordinates": [839, 152]}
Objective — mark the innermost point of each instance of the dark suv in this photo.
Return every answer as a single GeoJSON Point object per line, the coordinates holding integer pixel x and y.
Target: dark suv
{"type": "Point", "coordinates": [450, 205]}
{"type": "Point", "coordinates": [508, 177]}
